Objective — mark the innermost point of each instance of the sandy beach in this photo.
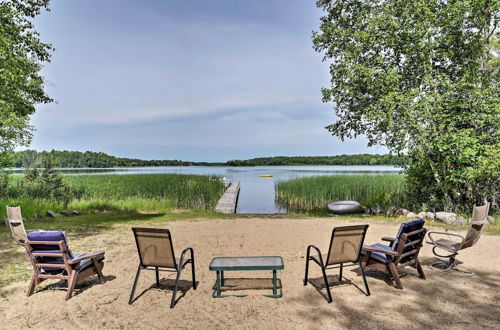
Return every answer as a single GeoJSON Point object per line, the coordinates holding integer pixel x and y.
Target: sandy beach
{"type": "Point", "coordinates": [443, 300]}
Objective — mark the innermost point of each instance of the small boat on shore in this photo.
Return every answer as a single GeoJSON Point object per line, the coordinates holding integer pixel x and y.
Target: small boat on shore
{"type": "Point", "coordinates": [265, 176]}
{"type": "Point", "coordinates": [345, 207]}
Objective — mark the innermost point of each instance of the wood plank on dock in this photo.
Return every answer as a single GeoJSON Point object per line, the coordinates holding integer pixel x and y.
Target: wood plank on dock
{"type": "Point", "coordinates": [227, 203]}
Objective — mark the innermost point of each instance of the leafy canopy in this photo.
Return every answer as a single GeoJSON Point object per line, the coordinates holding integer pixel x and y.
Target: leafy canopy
{"type": "Point", "coordinates": [420, 77]}
{"type": "Point", "coordinates": [21, 56]}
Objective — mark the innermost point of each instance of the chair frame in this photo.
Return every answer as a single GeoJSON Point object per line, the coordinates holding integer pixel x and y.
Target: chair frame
{"type": "Point", "coordinates": [69, 265]}
{"type": "Point", "coordinates": [183, 262]}
{"type": "Point", "coordinates": [324, 267]}
{"type": "Point", "coordinates": [393, 265]}
{"type": "Point", "coordinates": [453, 252]}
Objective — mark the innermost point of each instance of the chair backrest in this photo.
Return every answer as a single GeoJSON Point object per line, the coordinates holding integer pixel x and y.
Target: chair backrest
{"type": "Point", "coordinates": [16, 225]}
{"type": "Point", "coordinates": [346, 244]}
{"type": "Point", "coordinates": [155, 248]}
{"type": "Point", "coordinates": [479, 215]}
{"type": "Point", "coordinates": [409, 240]}
{"type": "Point", "coordinates": [49, 247]}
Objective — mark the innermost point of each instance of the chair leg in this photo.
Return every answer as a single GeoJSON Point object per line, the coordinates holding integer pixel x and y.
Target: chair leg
{"type": "Point", "coordinates": [33, 284]}
{"type": "Point", "coordinates": [131, 299]}
{"type": "Point", "coordinates": [307, 269]}
{"type": "Point", "coordinates": [327, 285]}
{"type": "Point", "coordinates": [193, 272]}
{"type": "Point", "coordinates": [176, 285]}
{"type": "Point", "coordinates": [98, 270]}
{"type": "Point", "coordinates": [395, 275]}
{"type": "Point", "coordinates": [340, 275]}
{"type": "Point", "coordinates": [71, 284]}
{"type": "Point", "coordinates": [157, 276]}
{"type": "Point", "coordinates": [364, 280]}
{"type": "Point", "coordinates": [420, 270]}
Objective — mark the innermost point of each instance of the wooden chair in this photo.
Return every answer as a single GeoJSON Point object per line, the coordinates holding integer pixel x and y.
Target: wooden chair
{"type": "Point", "coordinates": [453, 243]}
{"type": "Point", "coordinates": [402, 251]}
{"type": "Point", "coordinates": [14, 221]}
{"type": "Point", "coordinates": [52, 259]}
{"type": "Point", "coordinates": [345, 247]}
{"type": "Point", "coordinates": [156, 252]}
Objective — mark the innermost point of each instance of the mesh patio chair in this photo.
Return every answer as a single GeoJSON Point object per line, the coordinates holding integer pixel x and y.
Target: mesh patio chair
{"type": "Point", "coordinates": [402, 251]}
{"type": "Point", "coordinates": [51, 258]}
{"type": "Point", "coordinates": [452, 243]}
{"type": "Point", "coordinates": [345, 247]}
{"type": "Point", "coordinates": [15, 222]}
{"type": "Point", "coordinates": [156, 252]}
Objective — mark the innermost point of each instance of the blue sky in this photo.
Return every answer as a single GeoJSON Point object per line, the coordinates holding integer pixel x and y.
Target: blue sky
{"type": "Point", "coordinates": [192, 80]}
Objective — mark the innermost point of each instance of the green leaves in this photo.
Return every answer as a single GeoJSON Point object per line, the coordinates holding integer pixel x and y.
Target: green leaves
{"type": "Point", "coordinates": [21, 57]}
{"type": "Point", "coordinates": [420, 77]}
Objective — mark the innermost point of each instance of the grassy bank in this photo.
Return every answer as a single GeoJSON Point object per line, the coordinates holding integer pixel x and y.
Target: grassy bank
{"type": "Point", "coordinates": [126, 193]}
{"type": "Point", "coordinates": [314, 193]}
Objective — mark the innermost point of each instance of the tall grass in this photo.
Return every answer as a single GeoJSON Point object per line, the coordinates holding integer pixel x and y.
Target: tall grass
{"type": "Point", "coordinates": [134, 192]}
{"type": "Point", "coordinates": [314, 193]}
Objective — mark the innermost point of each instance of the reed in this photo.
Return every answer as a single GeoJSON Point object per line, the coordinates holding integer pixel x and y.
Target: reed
{"type": "Point", "coordinates": [134, 192]}
{"type": "Point", "coordinates": [314, 193]}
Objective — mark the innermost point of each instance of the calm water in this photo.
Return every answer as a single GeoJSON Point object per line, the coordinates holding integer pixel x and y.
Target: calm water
{"type": "Point", "coordinates": [256, 194]}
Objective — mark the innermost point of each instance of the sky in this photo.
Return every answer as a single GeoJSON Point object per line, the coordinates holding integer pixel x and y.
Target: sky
{"type": "Point", "coordinates": [192, 80]}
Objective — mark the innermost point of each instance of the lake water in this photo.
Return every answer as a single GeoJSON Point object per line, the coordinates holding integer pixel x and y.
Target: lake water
{"type": "Point", "coordinates": [256, 194]}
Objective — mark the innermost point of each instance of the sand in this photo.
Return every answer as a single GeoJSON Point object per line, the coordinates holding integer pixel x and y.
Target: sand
{"type": "Point", "coordinates": [443, 300]}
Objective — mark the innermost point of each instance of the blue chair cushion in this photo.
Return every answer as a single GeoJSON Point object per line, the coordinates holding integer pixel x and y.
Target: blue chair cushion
{"type": "Point", "coordinates": [408, 227]}
{"type": "Point", "coordinates": [84, 264]}
{"type": "Point", "coordinates": [379, 256]}
{"type": "Point", "coordinates": [49, 236]}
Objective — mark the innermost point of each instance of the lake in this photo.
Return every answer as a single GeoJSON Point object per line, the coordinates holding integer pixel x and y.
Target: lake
{"type": "Point", "coordinates": [256, 194]}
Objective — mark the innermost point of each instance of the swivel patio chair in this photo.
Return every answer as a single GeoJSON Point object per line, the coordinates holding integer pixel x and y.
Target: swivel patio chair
{"type": "Point", "coordinates": [52, 259]}
{"type": "Point", "coordinates": [402, 251]}
{"type": "Point", "coordinates": [14, 221]}
{"type": "Point", "coordinates": [345, 247]}
{"type": "Point", "coordinates": [453, 243]}
{"type": "Point", "coordinates": [156, 252]}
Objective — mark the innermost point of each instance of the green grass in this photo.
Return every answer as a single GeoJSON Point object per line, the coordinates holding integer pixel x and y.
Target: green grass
{"type": "Point", "coordinates": [312, 194]}
{"type": "Point", "coordinates": [129, 193]}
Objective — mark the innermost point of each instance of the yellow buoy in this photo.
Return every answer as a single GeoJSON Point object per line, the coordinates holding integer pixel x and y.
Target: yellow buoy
{"type": "Point", "coordinates": [266, 176]}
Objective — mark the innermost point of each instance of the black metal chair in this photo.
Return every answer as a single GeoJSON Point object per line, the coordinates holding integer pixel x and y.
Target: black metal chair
{"type": "Point", "coordinates": [156, 252]}
{"type": "Point", "coordinates": [345, 247]}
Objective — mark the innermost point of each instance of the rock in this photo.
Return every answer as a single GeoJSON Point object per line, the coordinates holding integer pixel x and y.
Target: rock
{"type": "Point", "coordinates": [391, 211]}
{"type": "Point", "coordinates": [65, 213]}
{"type": "Point", "coordinates": [490, 219]}
{"type": "Point", "coordinates": [430, 215]}
{"type": "Point", "coordinates": [460, 221]}
{"type": "Point", "coordinates": [450, 218]}
{"type": "Point", "coordinates": [421, 215]}
{"type": "Point", "coordinates": [345, 207]}
{"type": "Point", "coordinates": [377, 210]}
{"type": "Point", "coordinates": [51, 214]}
{"type": "Point", "coordinates": [411, 215]}
{"type": "Point", "coordinates": [76, 212]}
{"type": "Point", "coordinates": [366, 209]}
{"type": "Point", "coordinates": [401, 212]}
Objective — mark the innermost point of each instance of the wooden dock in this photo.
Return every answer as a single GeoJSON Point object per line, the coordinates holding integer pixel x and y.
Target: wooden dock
{"type": "Point", "coordinates": [228, 201]}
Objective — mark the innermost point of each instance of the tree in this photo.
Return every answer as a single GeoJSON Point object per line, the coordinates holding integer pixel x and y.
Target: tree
{"type": "Point", "coordinates": [420, 77]}
{"type": "Point", "coordinates": [21, 84]}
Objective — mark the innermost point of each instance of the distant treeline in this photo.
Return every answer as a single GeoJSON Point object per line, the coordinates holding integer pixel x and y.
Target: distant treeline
{"type": "Point", "coordinates": [359, 159]}
{"type": "Point", "coordinates": [91, 159]}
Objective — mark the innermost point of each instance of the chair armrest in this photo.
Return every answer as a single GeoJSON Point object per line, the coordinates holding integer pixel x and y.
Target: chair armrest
{"type": "Point", "coordinates": [369, 248]}
{"type": "Point", "coordinates": [388, 239]}
{"type": "Point", "coordinates": [181, 260]}
{"type": "Point", "coordinates": [87, 256]}
{"type": "Point", "coordinates": [444, 233]}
